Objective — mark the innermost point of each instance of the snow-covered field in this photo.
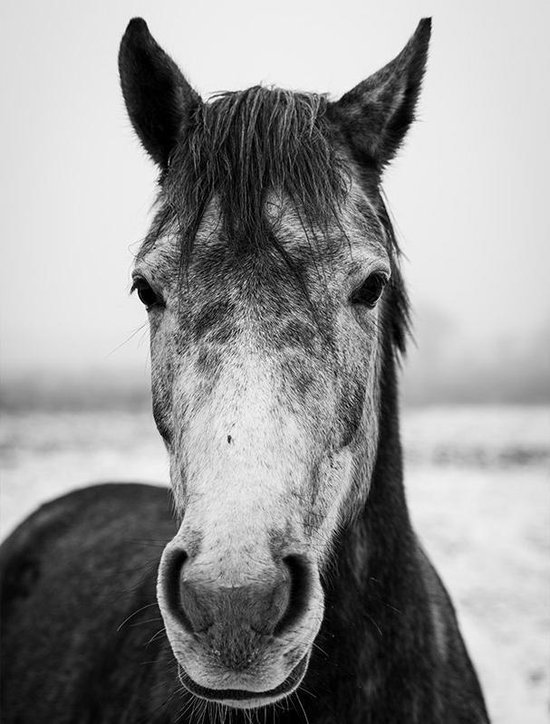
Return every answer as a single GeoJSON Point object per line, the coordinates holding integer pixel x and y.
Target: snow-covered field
{"type": "Point", "coordinates": [478, 482]}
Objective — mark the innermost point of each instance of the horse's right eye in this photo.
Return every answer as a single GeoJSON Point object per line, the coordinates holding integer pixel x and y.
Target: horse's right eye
{"type": "Point", "coordinates": [146, 293]}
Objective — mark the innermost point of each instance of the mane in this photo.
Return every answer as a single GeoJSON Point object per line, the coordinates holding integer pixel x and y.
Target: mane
{"type": "Point", "coordinates": [241, 145]}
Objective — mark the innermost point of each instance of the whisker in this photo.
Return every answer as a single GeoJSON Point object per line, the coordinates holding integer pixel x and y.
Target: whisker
{"type": "Point", "coordinates": [139, 610]}
{"type": "Point", "coordinates": [155, 636]}
{"type": "Point", "coordinates": [141, 328]}
{"type": "Point", "coordinates": [143, 623]}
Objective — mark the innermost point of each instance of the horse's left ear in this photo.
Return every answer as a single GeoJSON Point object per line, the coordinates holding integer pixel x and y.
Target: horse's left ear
{"type": "Point", "coordinates": [375, 116]}
{"type": "Point", "coordinates": [158, 98]}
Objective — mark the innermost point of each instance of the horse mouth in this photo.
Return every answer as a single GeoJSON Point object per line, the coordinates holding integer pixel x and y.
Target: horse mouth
{"type": "Point", "coordinates": [242, 698]}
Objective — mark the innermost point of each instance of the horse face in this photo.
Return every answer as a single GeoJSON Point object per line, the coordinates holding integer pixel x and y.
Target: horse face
{"type": "Point", "coordinates": [265, 391]}
{"type": "Point", "coordinates": [266, 351]}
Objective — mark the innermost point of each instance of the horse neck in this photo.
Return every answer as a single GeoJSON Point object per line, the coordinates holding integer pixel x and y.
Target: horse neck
{"type": "Point", "coordinates": [380, 545]}
{"type": "Point", "coordinates": [376, 594]}
{"type": "Point", "coordinates": [385, 521]}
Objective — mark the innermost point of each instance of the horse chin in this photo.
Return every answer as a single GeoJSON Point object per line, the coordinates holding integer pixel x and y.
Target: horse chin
{"type": "Point", "coordinates": [246, 699]}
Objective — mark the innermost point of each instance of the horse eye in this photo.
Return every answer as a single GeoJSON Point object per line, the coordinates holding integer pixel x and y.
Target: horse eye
{"type": "Point", "coordinates": [370, 291]}
{"type": "Point", "coordinates": [145, 293]}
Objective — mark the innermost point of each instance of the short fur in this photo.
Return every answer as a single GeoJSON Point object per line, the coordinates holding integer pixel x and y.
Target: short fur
{"type": "Point", "coordinates": [278, 404]}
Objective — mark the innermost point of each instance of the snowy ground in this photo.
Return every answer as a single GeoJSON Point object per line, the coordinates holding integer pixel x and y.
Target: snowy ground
{"type": "Point", "coordinates": [478, 482]}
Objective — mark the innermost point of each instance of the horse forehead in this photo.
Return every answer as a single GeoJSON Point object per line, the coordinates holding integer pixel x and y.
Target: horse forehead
{"type": "Point", "coordinates": [356, 220]}
{"type": "Point", "coordinates": [229, 289]}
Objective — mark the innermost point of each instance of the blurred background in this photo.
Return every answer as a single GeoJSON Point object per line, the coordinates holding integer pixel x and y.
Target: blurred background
{"type": "Point", "coordinates": [468, 195]}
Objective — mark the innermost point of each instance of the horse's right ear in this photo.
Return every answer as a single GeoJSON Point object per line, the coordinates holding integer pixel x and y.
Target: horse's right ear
{"type": "Point", "coordinates": [158, 99]}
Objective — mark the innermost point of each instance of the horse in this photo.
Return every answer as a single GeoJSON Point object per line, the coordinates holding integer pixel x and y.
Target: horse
{"type": "Point", "coordinates": [281, 577]}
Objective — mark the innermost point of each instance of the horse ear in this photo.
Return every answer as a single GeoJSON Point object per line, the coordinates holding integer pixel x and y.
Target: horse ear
{"type": "Point", "coordinates": [375, 116]}
{"type": "Point", "coordinates": [158, 99]}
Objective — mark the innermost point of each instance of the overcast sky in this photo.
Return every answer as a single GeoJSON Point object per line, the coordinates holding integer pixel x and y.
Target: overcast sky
{"type": "Point", "coordinates": [469, 191]}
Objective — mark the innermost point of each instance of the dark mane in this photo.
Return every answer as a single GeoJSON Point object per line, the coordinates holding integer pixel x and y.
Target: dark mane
{"type": "Point", "coordinates": [239, 146]}
{"type": "Point", "coordinates": [242, 144]}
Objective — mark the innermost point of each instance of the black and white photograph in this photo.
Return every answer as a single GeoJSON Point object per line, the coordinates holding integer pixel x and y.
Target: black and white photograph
{"type": "Point", "coordinates": [275, 362]}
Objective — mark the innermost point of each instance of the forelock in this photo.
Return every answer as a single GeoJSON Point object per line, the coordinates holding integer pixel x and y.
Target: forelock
{"type": "Point", "coordinates": [242, 145]}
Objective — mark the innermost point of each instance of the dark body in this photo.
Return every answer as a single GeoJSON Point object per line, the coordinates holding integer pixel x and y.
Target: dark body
{"type": "Point", "coordinates": [79, 567]}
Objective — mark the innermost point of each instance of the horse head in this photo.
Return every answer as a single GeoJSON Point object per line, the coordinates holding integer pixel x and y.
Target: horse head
{"type": "Point", "coordinates": [272, 286]}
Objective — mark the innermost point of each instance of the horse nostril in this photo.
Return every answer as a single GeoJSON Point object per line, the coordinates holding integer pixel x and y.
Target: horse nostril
{"type": "Point", "coordinates": [299, 581]}
{"type": "Point", "coordinates": [172, 586]}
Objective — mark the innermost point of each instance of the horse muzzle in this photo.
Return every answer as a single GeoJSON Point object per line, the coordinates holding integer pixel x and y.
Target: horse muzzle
{"type": "Point", "coordinates": [241, 639]}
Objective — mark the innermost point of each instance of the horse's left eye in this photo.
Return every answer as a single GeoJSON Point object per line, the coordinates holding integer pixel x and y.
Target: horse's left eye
{"type": "Point", "coordinates": [370, 291]}
{"type": "Point", "coordinates": [146, 293]}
